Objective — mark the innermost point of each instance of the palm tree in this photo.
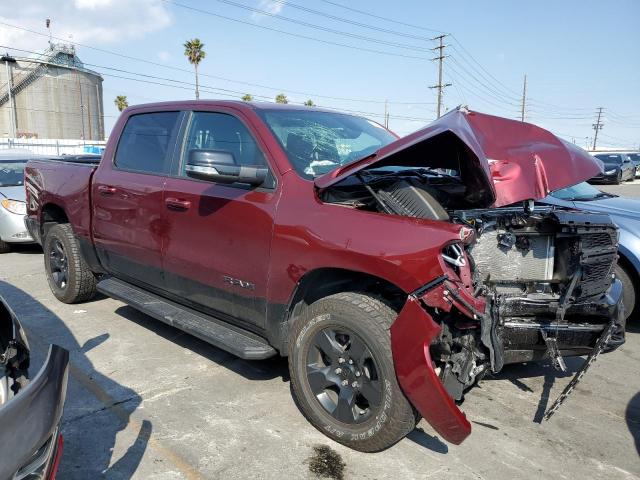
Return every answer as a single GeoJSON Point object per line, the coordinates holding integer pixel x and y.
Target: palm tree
{"type": "Point", "coordinates": [193, 50]}
{"type": "Point", "coordinates": [247, 97]}
{"type": "Point", "coordinates": [309, 103]}
{"type": "Point", "coordinates": [121, 102]}
{"type": "Point", "coordinates": [281, 98]}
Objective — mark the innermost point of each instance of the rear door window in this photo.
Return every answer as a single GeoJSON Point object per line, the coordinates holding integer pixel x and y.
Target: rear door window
{"type": "Point", "coordinates": [145, 143]}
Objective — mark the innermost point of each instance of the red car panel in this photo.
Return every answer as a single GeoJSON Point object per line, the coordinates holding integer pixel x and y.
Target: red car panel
{"type": "Point", "coordinates": [411, 334]}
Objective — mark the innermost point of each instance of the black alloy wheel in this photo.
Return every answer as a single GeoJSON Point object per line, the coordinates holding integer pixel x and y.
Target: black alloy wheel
{"type": "Point", "coordinates": [58, 264]}
{"type": "Point", "coordinates": [69, 277]}
{"type": "Point", "coordinates": [343, 375]}
{"type": "Point", "coordinates": [342, 371]}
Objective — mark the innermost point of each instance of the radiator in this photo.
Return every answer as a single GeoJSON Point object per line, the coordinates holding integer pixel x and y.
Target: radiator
{"type": "Point", "coordinates": [496, 261]}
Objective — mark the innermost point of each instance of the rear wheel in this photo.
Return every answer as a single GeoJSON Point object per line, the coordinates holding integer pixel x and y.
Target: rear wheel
{"type": "Point", "coordinates": [68, 274]}
{"type": "Point", "coordinates": [4, 247]}
{"type": "Point", "coordinates": [629, 293]}
{"type": "Point", "coordinates": [342, 372]}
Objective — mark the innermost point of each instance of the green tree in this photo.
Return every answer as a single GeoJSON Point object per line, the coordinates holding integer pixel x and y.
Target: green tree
{"type": "Point", "coordinates": [194, 51]}
{"type": "Point", "coordinates": [281, 98]}
{"type": "Point", "coordinates": [309, 103]}
{"type": "Point", "coordinates": [247, 97]}
{"type": "Point", "coordinates": [121, 102]}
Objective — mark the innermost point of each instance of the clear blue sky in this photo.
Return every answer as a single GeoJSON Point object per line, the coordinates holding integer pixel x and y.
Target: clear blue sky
{"type": "Point", "coordinates": [578, 55]}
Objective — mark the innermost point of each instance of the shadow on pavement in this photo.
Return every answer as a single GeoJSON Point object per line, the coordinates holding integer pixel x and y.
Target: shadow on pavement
{"type": "Point", "coordinates": [431, 442]}
{"type": "Point", "coordinates": [268, 369]}
{"type": "Point", "coordinates": [90, 434]}
{"type": "Point", "coordinates": [632, 416]}
{"type": "Point", "coordinates": [514, 373]}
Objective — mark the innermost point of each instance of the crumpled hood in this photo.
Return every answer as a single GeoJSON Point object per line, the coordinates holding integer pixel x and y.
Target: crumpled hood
{"type": "Point", "coordinates": [514, 160]}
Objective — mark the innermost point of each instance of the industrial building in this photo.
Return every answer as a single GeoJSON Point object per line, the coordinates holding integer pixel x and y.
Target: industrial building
{"type": "Point", "coordinates": [50, 95]}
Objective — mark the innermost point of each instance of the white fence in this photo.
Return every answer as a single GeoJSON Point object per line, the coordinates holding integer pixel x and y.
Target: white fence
{"type": "Point", "coordinates": [53, 146]}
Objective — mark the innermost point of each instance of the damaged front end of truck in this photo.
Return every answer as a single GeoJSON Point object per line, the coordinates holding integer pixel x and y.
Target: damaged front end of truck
{"type": "Point", "coordinates": [519, 283]}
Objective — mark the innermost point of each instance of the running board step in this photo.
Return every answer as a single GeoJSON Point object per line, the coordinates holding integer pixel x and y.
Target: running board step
{"type": "Point", "coordinates": [211, 330]}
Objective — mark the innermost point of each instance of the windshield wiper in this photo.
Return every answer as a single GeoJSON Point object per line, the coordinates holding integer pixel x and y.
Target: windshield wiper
{"type": "Point", "coordinates": [593, 197]}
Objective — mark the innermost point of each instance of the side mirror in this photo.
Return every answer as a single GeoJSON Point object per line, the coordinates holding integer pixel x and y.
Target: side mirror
{"type": "Point", "coordinates": [220, 166]}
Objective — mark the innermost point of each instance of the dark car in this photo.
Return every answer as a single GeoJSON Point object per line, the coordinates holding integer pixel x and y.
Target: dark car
{"type": "Point", "coordinates": [618, 168]}
{"type": "Point", "coordinates": [30, 409]}
{"type": "Point", "coordinates": [393, 273]}
{"type": "Point", "coordinates": [625, 212]}
{"type": "Point", "coordinates": [635, 158]}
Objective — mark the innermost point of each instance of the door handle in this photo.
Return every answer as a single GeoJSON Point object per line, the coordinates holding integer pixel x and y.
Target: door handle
{"type": "Point", "coordinates": [177, 204]}
{"type": "Point", "coordinates": [106, 190]}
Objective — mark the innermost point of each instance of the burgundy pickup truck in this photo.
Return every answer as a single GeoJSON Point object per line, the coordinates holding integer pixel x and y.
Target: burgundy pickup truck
{"type": "Point", "coordinates": [393, 273]}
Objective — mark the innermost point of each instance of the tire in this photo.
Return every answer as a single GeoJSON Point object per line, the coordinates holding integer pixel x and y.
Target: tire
{"type": "Point", "coordinates": [4, 247]}
{"type": "Point", "coordinates": [325, 339]}
{"type": "Point", "coordinates": [68, 274]}
{"type": "Point", "coordinates": [629, 293]}
{"type": "Point", "coordinates": [618, 179]}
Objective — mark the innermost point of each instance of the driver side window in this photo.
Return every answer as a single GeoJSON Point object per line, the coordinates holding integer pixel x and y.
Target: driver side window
{"type": "Point", "coordinates": [225, 133]}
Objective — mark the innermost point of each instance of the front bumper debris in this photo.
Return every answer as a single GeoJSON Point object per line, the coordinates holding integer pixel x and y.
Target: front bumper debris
{"type": "Point", "coordinates": [411, 334]}
{"type": "Point", "coordinates": [30, 420]}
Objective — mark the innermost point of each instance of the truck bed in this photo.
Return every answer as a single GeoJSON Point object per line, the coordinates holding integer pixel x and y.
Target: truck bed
{"type": "Point", "coordinates": [65, 183]}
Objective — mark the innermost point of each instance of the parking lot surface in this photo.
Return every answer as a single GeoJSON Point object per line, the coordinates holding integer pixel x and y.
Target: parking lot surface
{"type": "Point", "coordinates": [147, 401]}
{"type": "Point", "coordinates": [625, 189]}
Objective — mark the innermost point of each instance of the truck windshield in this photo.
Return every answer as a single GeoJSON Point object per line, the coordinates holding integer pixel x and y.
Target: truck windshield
{"type": "Point", "coordinates": [12, 172]}
{"type": "Point", "coordinates": [317, 142]}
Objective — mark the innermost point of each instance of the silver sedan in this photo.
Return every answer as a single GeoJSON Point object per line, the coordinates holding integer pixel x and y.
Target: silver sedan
{"type": "Point", "coordinates": [12, 199]}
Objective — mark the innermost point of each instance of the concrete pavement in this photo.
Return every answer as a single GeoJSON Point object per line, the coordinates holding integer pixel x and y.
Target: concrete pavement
{"type": "Point", "coordinates": [146, 401]}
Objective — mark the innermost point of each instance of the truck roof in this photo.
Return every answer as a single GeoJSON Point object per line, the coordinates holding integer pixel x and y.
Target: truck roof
{"type": "Point", "coordinates": [239, 104]}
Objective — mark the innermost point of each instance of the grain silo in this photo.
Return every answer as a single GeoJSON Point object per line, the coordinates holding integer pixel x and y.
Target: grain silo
{"type": "Point", "coordinates": [50, 95]}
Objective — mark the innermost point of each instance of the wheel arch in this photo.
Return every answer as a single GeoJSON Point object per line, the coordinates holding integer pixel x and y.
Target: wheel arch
{"type": "Point", "coordinates": [630, 261]}
{"type": "Point", "coordinates": [322, 282]}
{"type": "Point", "coordinates": [51, 214]}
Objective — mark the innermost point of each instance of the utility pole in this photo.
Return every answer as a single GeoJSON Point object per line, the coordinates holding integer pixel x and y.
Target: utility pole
{"type": "Point", "coordinates": [524, 98]}
{"type": "Point", "coordinates": [48, 24]}
{"type": "Point", "coordinates": [441, 56]}
{"type": "Point", "coordinates": [386, 114]}
{"type": "Point", "coordinates": [7, 59]}
{"type": "Point", "coordinates": [597, 127]}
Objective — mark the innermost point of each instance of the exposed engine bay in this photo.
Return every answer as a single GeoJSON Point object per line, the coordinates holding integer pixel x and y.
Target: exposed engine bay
{"type": "Point", "coordinates": [524, 283]}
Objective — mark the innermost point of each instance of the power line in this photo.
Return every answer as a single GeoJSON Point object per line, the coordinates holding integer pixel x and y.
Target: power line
{"type": "Point", "coordinates": [226, 79]}
{"type": "Point", "coordinates": [488, 89]}
{"type": "Point", "coordinates": [349, 21]}
{"type": "Point", "coordinates": [310, 25]}
{"type": "Point", "coordinates": [207, 89]}
{"type": "Point", "coordinates": [458, 79]}
{"type": "Point", "coordinates": [368, 14]}
{"type": "Point", "coordinates": [291, 34]}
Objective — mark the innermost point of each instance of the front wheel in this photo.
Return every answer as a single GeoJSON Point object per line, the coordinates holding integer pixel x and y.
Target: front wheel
{"type": "Point", "coordinates": [629, 294]}
{"type": "Point", "coordinates": [342, 372]}
{"type": "Point", "coordinates": [68, 274]}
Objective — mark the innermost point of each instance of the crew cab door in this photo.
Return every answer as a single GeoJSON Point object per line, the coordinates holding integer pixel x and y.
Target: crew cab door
{"type": "Point", "coordinates": [128, 210]}
{"type": "Point", "coordinates": [219, 235]}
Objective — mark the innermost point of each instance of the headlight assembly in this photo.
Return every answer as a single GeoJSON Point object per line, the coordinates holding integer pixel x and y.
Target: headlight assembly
{"type": "Point", "coordinates": [15, 206]}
